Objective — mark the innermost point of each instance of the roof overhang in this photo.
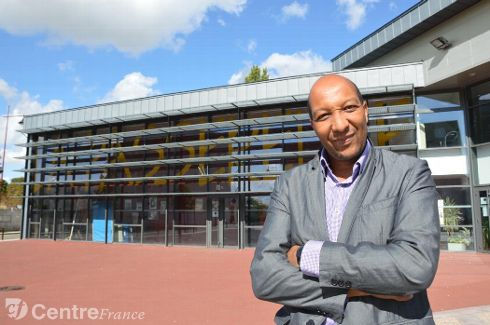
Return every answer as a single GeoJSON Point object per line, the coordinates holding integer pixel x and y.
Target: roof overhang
{"type": "Point", "coordinates": [415, 21]}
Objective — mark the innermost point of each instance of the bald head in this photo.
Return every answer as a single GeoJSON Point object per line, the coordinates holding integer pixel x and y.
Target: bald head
{"type": "Point", "coordinates": [331, 82]}
{"type": "Point", "coordinates": [339, 117]}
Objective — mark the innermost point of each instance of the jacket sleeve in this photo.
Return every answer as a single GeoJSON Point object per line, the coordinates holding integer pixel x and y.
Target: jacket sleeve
{"type": "Point", "coordinates": [408, 262]}
{"type": "Point", "coordinates": [274, 279]}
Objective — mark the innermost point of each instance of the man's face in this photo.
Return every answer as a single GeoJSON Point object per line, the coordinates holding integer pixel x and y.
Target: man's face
{"type": "Point", "coordinates": [339, 118]}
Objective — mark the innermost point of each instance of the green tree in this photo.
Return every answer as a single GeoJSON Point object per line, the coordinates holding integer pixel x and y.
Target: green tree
{"type": "Point", "coordinates": [3, 186]}
{"type": "Point", "coordinates": [257, 74]}
{"type": "Point", "coordinates": [3, 193]}
{"type": "Point", "coordinates": [14, 190]}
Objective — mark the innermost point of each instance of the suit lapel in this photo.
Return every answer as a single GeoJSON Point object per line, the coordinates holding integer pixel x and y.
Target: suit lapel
{"type": "Point", "coordinates": [357, 196]}
{"type": "Point", "coordinates": [316, 195]}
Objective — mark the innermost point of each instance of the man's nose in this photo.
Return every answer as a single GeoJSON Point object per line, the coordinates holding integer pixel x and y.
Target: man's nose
{"type": "Point", "coordinates": [339, 122]}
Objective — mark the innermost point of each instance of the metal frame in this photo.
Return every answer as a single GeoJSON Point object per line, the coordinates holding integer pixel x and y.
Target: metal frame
{"type": "Point", "coordinates": [29, 223]}
{"type": "Point", "coordinates": [478, 234]}
{"type": "Point", "coordinates": [130, 225]}
{"type": "Point", "coordinates": [276, 91]}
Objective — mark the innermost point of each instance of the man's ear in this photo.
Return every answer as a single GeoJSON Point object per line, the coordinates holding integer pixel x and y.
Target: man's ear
{"type": "Point", "coordinates": [366, 111]}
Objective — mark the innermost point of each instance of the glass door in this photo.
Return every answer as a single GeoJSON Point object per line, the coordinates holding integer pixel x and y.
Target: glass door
{"type": "Point", "coordinates": [223, 221]}
{"type": "Point", "coordinates": [215, 222]}
{"type": "Point", "coordinates": [230, 221]}
{"type": "Point", "coordinates": [483, 202]}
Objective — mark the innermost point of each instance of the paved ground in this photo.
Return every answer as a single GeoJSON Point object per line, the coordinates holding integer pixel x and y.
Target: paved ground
{"type": "Point", "coordinates": [183, 285]}
{"type": "Point", "coordinates": [464, 316]}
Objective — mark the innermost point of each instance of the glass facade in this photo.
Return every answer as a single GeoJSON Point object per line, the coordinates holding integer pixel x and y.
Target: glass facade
{"type": "Point", "coordinates": [442, 138]}
{"type": "Point", "coordinates": [205, 179]}
{"type": "Point", "coordinates": [196, 179]}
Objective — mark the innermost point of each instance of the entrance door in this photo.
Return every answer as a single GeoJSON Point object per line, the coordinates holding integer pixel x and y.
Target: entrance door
{"type": "Point", "coordinates": [100, 210]}
{"type": "Point", "coordinates": [483, 201]}
{"type": "Point", "coordinates": [230, 221]}
{"type": "Point", "coordinates": [223, 222]}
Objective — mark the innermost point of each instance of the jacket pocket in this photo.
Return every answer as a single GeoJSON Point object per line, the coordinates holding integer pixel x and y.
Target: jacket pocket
{"type": "Point", "coordinates": [377, 219]}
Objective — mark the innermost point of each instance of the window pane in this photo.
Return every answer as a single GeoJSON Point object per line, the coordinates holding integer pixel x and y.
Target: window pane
{"type": "Point", "coordinates": [445, 129]}
{"type": "Point", "coordinates": [392, 138]}
{"type": "Point", "coordinates": [389, 101]}
{"type": "Point", "coordinates": [483, 161]}
{"type": "Point", "coordinates": [455, 196]}
{"type": "Point", "coordinates": [480, 122]}
{"type": "Point", "coordinates": [480, 94]}
{"type": "Point", "coordinates": [438, 101]}
{"type": "Point", "coordinates": [442, 180]}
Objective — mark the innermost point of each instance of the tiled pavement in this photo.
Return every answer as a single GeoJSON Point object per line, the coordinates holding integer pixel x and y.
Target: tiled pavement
{"type": "Point", "coordinates": [464, 316]}
{"type": "Point", "coordinates": [192, 285]}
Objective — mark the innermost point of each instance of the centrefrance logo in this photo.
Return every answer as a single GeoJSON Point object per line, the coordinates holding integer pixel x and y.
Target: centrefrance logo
{"type": "Point", "coordinates": [18, 309]}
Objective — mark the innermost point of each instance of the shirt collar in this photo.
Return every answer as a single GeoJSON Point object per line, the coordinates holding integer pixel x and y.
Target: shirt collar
{"type": "Point", "coordinates": [357, 169]}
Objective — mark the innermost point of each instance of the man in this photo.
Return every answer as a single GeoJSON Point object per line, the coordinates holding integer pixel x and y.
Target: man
{"type": "Point", "coordinates": [352, 237]}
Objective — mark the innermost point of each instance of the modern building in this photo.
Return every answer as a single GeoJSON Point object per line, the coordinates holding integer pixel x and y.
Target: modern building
{"type": "Point", "coordinates": [198, 167]}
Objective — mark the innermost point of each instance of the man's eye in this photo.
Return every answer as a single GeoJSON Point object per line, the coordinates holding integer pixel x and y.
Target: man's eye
{"type": "Point", "coordinates": [323, 117]}
{"type": "Point", "coordinates": [351, 108]}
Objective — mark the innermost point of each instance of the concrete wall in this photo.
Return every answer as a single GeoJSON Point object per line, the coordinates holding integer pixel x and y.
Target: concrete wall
{"type": "Point", "coordinates": [445, 161]}
{"type": "Point", "coordinates": [469, 34]}
{"type": "Point", "coordinates": [10, 219]}
{"type": "Point", "coordinates": [483, 163]}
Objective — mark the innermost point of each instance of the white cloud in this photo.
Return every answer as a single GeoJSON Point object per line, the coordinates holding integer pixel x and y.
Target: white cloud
{"type": "Point", "coordinates": [130, 26]}
{"type": "Point", "coordinates": [239, 76]}
{"type": "Point", "coordinates": [283, 65]}
{"type": "Point", "coordinates": [21, 103]}
{"type": "Point", "coordinates": [251, 46]}
{"type": "Point", "coordinates": [221, 22]}
{"type": "Point", "coordinates": [294, 9]}
{"type": "Point", "coordinates": [393, 5]}
{"type": "Point", "coordinates": [133, 85]}
{"type": "Point", "coordinates": [66, 66]}
{"type": "Point", "coordinates": [6, 91]}
{"type": "Point", "coordinates": [355, 11]}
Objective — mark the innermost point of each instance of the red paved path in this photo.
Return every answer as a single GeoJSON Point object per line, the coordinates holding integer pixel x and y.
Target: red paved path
{"type": "Point", "coordinates": [179, 285]}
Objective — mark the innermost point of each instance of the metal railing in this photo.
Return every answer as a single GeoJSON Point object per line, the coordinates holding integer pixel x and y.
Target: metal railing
{"type": "Point", "coordinates": [8, 233]}
{"type": "Point", "coordinates": [186, 226]}
{"type": "Point", "coordinates": [129, 225]}
{"type": "Point", "coordinates": [30, 222]}
{"type": "Point", "coordinates": [73, 224]}
{"type": "Point", "coordinates": [180, 220]}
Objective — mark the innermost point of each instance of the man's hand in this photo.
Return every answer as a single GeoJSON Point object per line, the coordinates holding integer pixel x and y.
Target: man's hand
{"type": "Point", "coordinates": [359, 293]}
{"type": "Point", "coordinates": [292, 256]}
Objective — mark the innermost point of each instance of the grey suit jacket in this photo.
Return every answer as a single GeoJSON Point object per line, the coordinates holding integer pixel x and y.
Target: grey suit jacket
{"type": "Point", "coordinates": [388, 243]}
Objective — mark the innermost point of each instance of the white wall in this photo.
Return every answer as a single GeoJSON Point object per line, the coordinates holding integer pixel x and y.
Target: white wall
{"type": "Point", "coordinates": [469, 34]}
{"type": "Point", "coordinates": [483, 163]}
{"type": "Point", "coordinates": [445, 161]}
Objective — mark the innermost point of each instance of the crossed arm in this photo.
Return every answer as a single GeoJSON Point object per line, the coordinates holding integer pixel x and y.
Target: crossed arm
{"type": "Point", "coordinates": [405, 265]}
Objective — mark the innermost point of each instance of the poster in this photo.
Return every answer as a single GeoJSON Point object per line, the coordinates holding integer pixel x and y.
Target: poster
{"type": "Point", "coordinates": [128, 204]}
{"type": "Point", "coordinates": [215, 208]}
{"type": "Point", "coordinates": [153, 203]}
{"type": "Point", "coordinates": [153, 215]}
{"type": "Point", "coordinates": [199, 204]}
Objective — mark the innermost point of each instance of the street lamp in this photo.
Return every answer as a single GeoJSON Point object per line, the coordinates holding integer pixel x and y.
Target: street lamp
{"type": "Point", "coordinates": [2, 167]}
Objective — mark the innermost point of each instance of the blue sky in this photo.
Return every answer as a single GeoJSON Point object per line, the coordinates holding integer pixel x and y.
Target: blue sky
{"type": "Point", "coordinates": [58, 54]}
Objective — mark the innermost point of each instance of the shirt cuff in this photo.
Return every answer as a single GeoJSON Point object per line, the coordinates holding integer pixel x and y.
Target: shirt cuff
{"type": "Point", "coordinates": [310, 258]}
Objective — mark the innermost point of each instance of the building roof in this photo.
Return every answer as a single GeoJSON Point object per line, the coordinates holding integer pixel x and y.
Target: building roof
{"type": "Point", "coordinates": [275, 91]}
{"type": "Point", "coordinates": [418, 19]}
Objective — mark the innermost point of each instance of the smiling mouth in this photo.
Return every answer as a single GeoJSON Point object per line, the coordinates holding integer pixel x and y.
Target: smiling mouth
{"type": "Point", "coordinates": [343, 142]}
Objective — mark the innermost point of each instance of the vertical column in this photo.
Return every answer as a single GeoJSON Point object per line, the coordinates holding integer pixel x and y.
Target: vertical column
{"type": "Point", "coordinates": [25, 207]}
